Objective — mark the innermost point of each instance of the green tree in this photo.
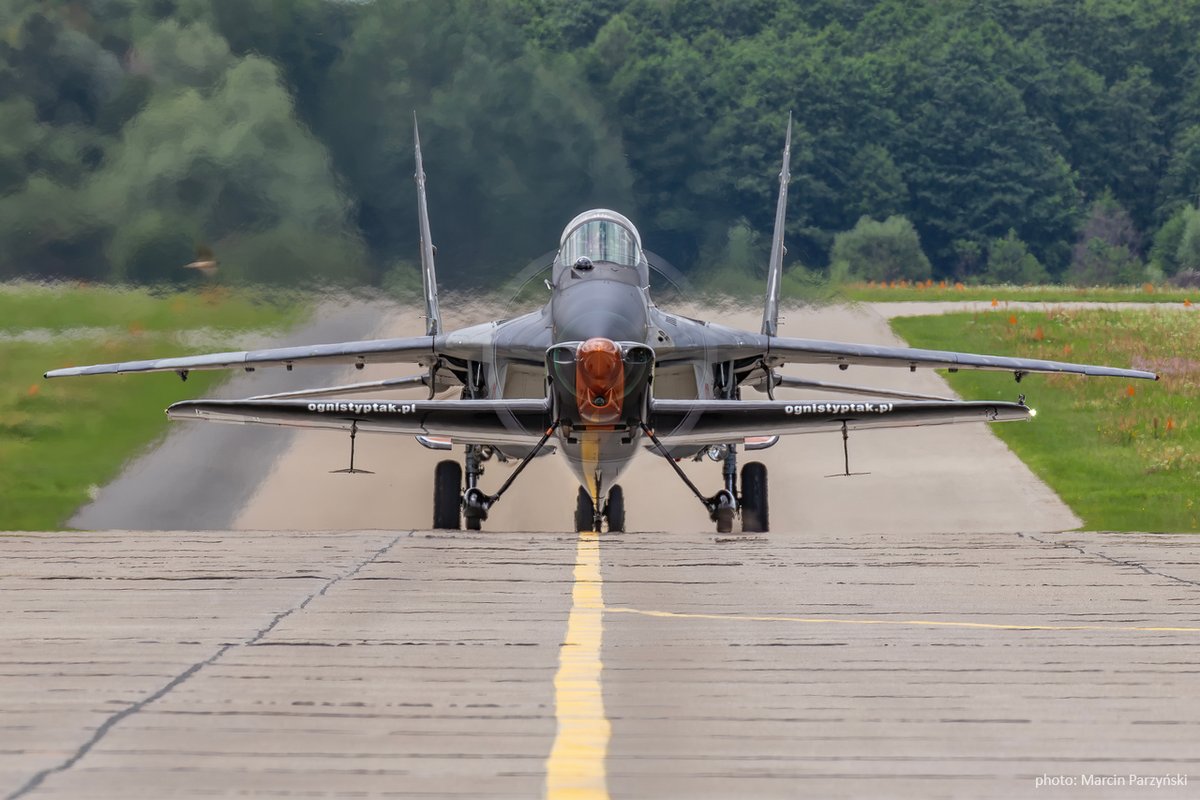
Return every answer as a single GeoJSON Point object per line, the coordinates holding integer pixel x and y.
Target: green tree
{"type": "Point", "coordinates": [1164, 253]}
{"type": "Point", "coordinates": [974, 159]}
{"type": "Point", "coordinates": [881, 251]}
{"type": "Point", "coordinates": [1187, 254]}
{"type": "Point", "coordinates": [513, 144]}
{"type": "Point", "coordinates": [1180, 185]}
{"type": "Point", "coordinates": [1106, 252]}
{"type": "Point", "coordinates": [230, 166]}
{"type": "Point", "coordinates": [1010, 262]}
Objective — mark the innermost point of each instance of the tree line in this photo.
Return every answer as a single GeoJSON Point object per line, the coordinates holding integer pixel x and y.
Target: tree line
{"type": "Point", "coordinates": [1008, 140]}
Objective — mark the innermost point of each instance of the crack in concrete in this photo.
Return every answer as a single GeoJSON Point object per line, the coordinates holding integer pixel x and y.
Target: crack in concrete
{"type": "Point", "coordinates": [1110, 559]}
{"type": "Point", "coordinates": [36, 780]}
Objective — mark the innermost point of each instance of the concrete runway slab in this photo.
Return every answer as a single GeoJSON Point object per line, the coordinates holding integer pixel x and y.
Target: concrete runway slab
{"type": "Point", "coordinates": [409, 664]}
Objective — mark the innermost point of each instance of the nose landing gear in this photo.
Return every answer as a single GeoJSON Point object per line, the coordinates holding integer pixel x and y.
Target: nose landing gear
{"type": "Point", "coordinates": [586, 518]}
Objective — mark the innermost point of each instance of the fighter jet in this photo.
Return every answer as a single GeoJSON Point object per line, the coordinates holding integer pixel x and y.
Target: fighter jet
{"type": "Point", "coordinates": [597, 374]}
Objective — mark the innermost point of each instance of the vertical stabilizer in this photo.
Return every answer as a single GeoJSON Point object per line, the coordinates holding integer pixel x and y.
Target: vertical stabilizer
{"type": "Point", "coordinates": [433, 317]}
{"type": "Point", "coordinates": [770, 324]}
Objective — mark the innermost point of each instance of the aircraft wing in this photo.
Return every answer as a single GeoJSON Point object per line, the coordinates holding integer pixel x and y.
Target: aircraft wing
{"type": "Point", "coordinates": [701, 422]}
{"type": "Point", "coordinates": [518, 422]}
{"type": "Point", "coordinates": [417, 349]}
{"type": "Point", "coordinates": [782, 350]}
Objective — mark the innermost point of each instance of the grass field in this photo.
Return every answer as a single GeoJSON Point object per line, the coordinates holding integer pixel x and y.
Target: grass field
{"type": "Point", "coordinates": [1125, 455]}
{"type": "Point", "coordinates": [948, 291]}
{"type": "Point", "coordinates": [60, 438]}
{"type": "Point", "coordinates": [59, 307]}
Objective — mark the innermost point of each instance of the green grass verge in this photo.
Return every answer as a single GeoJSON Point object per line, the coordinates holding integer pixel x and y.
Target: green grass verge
{"type": "Point", "coordinates": [59, 438]}
{"type": "Point", "coordinates": [866, 293]}
{"type": "Point", "coordinates": [59, 307]}
{"type": "Point", "coordinates": [1125, 455]}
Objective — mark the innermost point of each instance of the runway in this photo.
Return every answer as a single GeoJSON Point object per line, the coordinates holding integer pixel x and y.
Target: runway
{"type": "Point", "coordinates": [409, 664]}
{"type": "Point", "coordinates": [921, 630]}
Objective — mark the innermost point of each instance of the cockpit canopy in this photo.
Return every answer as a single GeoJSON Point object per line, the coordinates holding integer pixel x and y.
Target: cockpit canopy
{"type": "Point", "coordinates": [601, 235]}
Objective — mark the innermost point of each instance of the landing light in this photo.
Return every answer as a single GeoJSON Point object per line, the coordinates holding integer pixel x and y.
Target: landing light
{"type": "Point", "coordinates": [717, 452]}
{"type": "Point", "coordinates": [1033, 412]}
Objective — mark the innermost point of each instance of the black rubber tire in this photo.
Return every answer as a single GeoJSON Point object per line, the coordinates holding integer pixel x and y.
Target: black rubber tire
{"type": "Point", "coordinates": [447, 496]}
{"type": "Point", "coordinates": [614, 509]}
{"type": "Point", "coordinates": [724, 520]}
{"type": "Point", "coordinates": [474, 523]}
{"type": "Point", "coordinates": [585, 511]}
{"type": "Point", "coordinates": [755, 511]}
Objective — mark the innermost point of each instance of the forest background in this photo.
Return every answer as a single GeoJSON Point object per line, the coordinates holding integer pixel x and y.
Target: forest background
{"type": "Point", "coordinates": [1007, 141]}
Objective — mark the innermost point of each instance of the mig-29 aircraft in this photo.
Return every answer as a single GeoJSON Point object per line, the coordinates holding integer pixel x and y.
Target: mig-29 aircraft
{"type": "Point", "coordinates": [604, 372]}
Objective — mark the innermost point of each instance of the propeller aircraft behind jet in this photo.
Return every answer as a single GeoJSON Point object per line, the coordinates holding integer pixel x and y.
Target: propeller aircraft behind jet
{"type": "Point", "coordinates": [604, 372]}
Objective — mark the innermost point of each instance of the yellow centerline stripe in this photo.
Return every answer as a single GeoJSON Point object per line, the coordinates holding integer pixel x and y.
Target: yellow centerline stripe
{"type": "Point", "coordinates": [907, 622]}
{"type": "Point", "coordinates": [575, 768]}
{"type": "Point", "coordinates": [589, 452]}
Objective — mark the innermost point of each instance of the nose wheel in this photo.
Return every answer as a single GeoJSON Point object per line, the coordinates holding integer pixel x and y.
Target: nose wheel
{"type": "Point", "coordinates": [586, 518]}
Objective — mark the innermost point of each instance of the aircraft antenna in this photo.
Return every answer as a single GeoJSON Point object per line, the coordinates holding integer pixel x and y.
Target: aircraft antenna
{"type": "Point", "coordinates": [433, 317]}
{"type": "Point", "coordinates": [770, 325]}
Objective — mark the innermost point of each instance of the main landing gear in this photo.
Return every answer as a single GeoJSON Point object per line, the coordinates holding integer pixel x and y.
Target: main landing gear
{"type": "Point", "coordinates": [586, 518]}
{"type": "Point", "coordinates": [751, 503]}
{"type": "Point", "coordinates": [452, 505]}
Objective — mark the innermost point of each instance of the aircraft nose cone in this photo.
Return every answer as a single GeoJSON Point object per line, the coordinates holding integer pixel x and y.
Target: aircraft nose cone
{"type": "Point", "coordinates": [599, 380]}
{"type": "Point", "coordinates": [600, 361]}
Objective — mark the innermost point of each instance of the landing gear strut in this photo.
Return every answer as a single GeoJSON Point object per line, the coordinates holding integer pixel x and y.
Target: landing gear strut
{"type": "Point", "coordinates": [723, 505]}
{"type": "Point", "coordinates": [472, 503]}
{"type": "Point", "coordinates": [475, 502]}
